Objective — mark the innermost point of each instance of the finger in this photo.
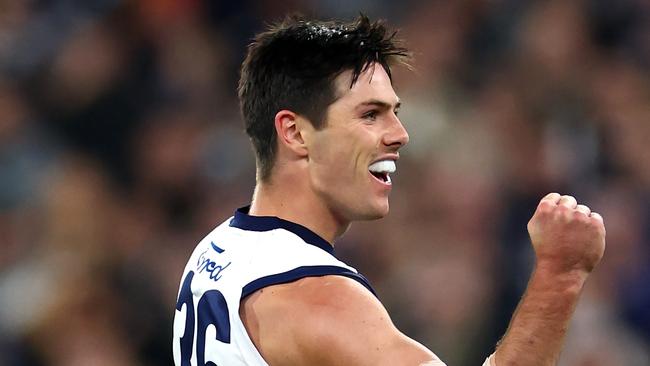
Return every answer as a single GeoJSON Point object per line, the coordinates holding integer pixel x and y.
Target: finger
{"type": "Point", "coordinates": [584, 209]}
{"type": "Point", "coordinates": [568, 201]}
{"type": "Point", "coordinates": [552, 197]}
{"type": "Point", "coordinates": [596, 216]}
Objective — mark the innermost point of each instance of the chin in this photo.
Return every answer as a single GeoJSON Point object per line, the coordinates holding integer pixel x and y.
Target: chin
{"type": "Point", "coordinates": [375, 213]}
{"type": "Point", "coordinates": [361, 210]}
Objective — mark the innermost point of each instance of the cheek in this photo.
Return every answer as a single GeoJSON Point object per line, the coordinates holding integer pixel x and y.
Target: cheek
{"type": "Point", "coordinates": [334, 162]}
{"type": "Point", "coordinates": [328, 150]}
{"type": "Point", "coordinates": [340, 157]}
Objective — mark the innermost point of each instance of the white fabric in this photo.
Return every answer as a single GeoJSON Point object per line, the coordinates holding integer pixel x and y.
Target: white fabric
{"type": "Point", "coordinates": [221, 266]}
{"type": "Point", "coordinates": [490, 361]}
{"type": "Point", "coordinates": [247, 256]}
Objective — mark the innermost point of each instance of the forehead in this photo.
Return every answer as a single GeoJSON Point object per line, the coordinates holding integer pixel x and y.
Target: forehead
{"type": "Point", "coordinates": [373, 83]}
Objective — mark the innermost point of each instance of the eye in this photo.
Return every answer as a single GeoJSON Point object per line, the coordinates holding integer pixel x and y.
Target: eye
{"type": "Point", "coordinates": [371, 115]}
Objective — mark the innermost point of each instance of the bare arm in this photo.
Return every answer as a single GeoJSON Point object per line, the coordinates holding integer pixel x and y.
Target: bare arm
{"type": "Point", "coordinates": [569, 241]}
{"type": "Point", "coordinates": [330, 320]}
{"type": "Point", "coordinates": [538, 326]}
{"type": "Point", "coordinates": [333, 320]}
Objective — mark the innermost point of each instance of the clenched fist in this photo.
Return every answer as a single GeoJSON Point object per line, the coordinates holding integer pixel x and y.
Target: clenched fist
{"type": "Point", "coordinates": [566, 236]}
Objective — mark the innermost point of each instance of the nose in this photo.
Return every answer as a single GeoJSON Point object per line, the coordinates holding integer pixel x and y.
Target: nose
{"type": "Point", "coordinates": [396, 136]}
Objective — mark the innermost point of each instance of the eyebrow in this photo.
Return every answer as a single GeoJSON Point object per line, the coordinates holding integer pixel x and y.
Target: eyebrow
{"type": "Point", "coordinates": [380, 104]}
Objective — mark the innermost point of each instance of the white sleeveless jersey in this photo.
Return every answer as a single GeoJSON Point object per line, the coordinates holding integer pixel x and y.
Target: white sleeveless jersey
{"type": "Point", "coordinates": [239, 257]}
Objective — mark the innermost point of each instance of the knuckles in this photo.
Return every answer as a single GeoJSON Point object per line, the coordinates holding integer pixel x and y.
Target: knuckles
{"type": "Point", "coordinates": [546, 206]}
{"type": "Point", "coordinates": [575, 234]}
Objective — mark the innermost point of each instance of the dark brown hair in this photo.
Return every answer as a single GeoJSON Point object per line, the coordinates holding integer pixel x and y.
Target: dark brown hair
{"type": "Point", "coordinates": [293, 65]}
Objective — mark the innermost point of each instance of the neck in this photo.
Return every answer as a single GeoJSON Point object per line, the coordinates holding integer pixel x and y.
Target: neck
{"type": "Point", "coordinates": [293, 200]}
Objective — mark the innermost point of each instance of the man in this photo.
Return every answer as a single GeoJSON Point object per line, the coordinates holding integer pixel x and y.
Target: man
{"type": "Point", "coordinates": [264, 288]}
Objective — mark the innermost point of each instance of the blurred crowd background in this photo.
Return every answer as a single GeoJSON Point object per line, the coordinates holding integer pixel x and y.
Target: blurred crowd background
{"type": "Point", "coordinates": [121, 146]}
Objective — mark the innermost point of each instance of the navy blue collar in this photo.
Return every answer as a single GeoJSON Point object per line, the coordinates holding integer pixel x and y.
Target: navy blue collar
{"type": "Point", "coordinates": [243, 220]}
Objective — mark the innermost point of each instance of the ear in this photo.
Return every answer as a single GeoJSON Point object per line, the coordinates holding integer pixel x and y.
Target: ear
{"type": "Point", "coordinates": [289, 132]}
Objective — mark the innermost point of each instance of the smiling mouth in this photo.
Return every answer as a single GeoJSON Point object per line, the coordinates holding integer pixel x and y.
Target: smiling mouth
{"type": "Point", "coordinates": [381, 170]}
{"type": "Point", "coordinates": [384, 177]}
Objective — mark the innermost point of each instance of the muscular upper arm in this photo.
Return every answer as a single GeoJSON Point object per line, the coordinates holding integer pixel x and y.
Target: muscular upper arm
{"type": "Point", "coordinates": [330, 320]}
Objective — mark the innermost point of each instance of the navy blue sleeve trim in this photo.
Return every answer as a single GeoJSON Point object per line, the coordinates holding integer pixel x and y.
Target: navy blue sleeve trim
{"type": "Point", "coordinates": [302, 272]}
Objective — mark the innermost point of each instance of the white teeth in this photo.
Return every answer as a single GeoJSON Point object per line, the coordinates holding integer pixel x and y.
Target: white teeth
{"type": "Point", "coordinates": [383, 166]}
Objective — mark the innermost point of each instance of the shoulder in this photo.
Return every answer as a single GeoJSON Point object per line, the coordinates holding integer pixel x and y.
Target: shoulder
{"type": "Point", "coordinates": [328, 320]}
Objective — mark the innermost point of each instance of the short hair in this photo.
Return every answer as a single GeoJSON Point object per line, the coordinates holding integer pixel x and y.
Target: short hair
{"type": "Point", "coordinates": [293, 65]}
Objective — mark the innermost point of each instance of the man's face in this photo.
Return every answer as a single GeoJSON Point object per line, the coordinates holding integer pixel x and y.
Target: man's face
{"type": "Point", "coordinates": [351, 158]}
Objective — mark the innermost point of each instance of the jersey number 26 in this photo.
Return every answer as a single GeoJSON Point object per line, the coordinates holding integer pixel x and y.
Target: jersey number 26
{"type": "Point", "coordinates": [211, 310]}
